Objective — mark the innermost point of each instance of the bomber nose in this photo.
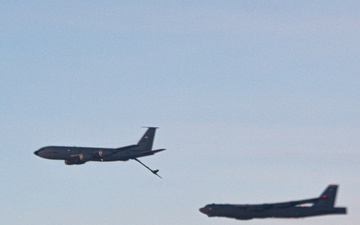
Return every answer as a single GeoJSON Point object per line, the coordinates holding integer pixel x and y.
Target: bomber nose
{"type": "Point", "coordinates": [203, 210]}
{"type": "Point", "coordinates": [37, 152]}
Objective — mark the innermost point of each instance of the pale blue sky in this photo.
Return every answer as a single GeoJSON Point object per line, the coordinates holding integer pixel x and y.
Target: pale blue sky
{"type": "Point", "coordinates": [257, 101]}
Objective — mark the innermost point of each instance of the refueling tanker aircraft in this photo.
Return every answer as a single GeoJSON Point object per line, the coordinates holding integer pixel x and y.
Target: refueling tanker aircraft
{"type": "Point", "coordinates": [323, 205]}
{"type": "Point", "coordinates": [81, 155]}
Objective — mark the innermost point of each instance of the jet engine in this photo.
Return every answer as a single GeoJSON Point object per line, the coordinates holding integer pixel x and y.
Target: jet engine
{"type": "Point", "coordinates": [83, 157]}
{"type": "Point", "coordinates": [73, 162]}
{"type": "Point", "coordinates": [78, 159]}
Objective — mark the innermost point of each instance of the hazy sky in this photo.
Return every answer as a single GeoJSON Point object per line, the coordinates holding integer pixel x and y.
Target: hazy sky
{"type": "Point", "coordinates": [257, 101]}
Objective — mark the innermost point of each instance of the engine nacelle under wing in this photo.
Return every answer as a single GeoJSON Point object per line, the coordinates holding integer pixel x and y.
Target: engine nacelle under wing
{"type": "Point", "coordinates": [74, 162]}
{"type": "Point", "coordinates": [78, 159]}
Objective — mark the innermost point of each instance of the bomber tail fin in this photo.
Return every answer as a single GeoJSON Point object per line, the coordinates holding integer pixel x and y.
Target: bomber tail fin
{"type": "Point", "coordinates": [146, 141]}
{"type": "Point", "coordinates": [327, 198]}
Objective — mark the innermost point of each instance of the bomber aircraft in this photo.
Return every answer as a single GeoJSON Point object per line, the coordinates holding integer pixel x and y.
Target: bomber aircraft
{"type": "Point", "coordinates": [81, 155]}
{"type": "Point", "coordinates": [323, 205]}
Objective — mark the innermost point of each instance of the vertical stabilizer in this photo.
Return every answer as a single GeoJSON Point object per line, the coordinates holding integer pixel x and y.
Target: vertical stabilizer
{"type": "Point", "coordinates": [327, 198]}
{"type": "Point", "coordinates": [147, 139]}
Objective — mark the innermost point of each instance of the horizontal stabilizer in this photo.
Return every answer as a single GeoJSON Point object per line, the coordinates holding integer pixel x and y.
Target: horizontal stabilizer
{"type": "Point", "coordinates": [150, 152]}
{"type": "Point", "coordinates": [158, 150]}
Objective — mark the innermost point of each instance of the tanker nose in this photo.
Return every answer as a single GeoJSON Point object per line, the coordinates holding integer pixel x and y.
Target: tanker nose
{"type": "Point", "coordinates": [40, 152]}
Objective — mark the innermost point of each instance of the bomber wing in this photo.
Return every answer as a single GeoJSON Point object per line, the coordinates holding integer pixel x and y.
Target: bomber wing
{"type": "Point", "coordinates": [294, 203]}
{"type": "Point", "coordinates": [266, 206]}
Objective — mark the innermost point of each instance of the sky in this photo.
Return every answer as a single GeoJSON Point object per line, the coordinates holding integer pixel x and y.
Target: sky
{"type": "Point", "coordinates": [257, 102]}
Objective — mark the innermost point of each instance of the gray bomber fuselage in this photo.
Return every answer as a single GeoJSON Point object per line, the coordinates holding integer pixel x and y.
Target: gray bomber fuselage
{"type": "Point", "coordinates": [322, 205]}
{"type": "Point", "coordinates": [232, 211]}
